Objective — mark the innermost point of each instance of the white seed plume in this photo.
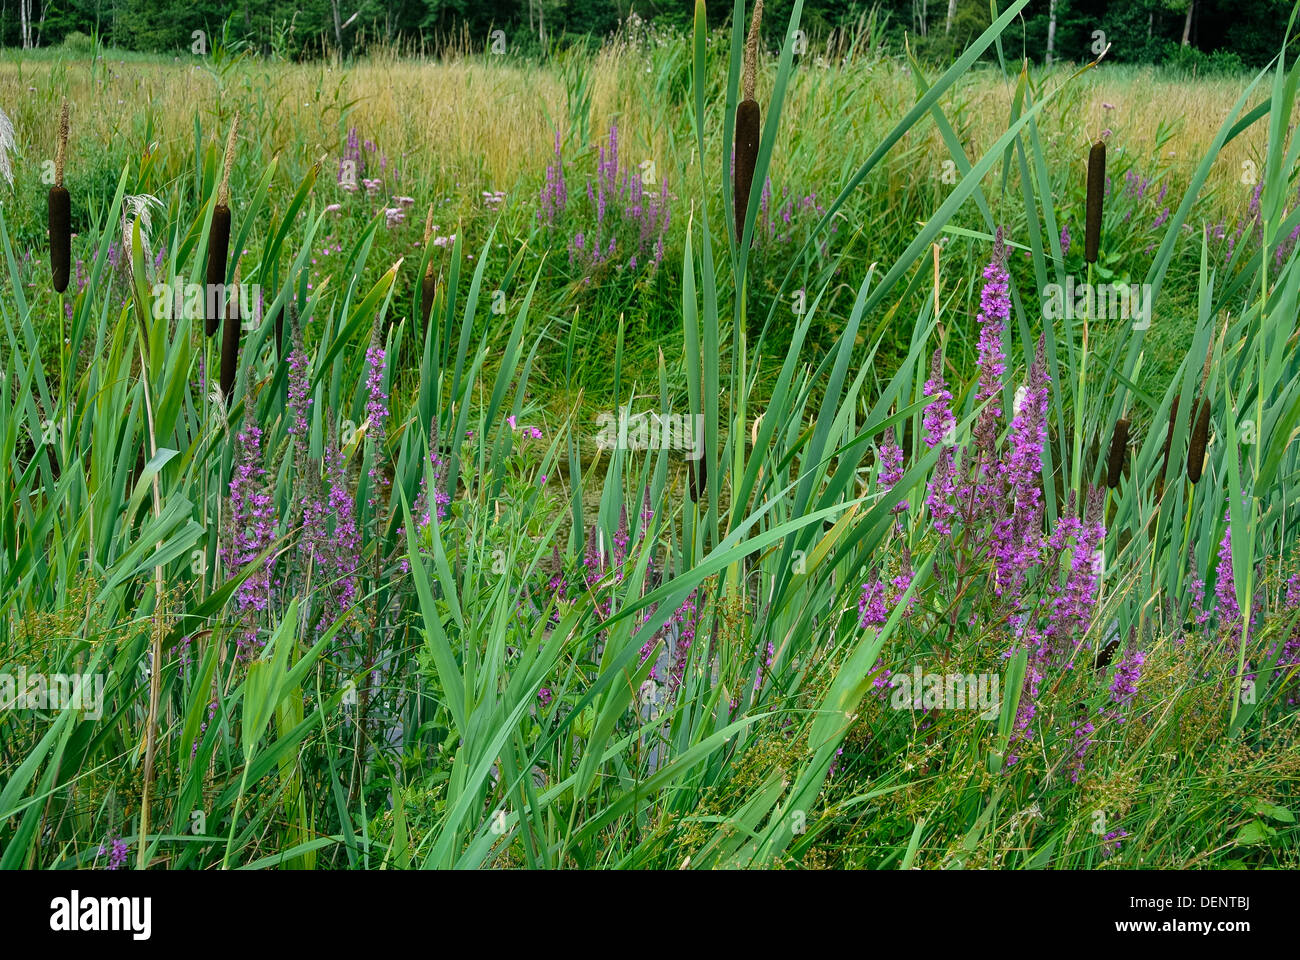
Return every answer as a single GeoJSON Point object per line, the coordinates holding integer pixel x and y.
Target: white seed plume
{"type": "Point", "coordinates": [6, 147]}
{"type": "Point", "coordinates": [134, 207]}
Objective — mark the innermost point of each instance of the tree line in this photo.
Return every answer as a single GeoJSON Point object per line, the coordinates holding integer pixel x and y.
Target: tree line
{"type": "Point", "coordinates": [1209, 35]}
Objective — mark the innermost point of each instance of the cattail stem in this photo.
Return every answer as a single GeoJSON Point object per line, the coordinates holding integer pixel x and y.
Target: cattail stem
{"type": "Point", "coordinates": [1096, 186]}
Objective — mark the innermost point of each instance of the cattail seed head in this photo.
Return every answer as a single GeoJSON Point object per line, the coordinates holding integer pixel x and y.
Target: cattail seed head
{"type": "Point", "coordinates": [218, 251]}
{"type": "Point", "coordinates": [1169, 434]}
{"type": "Point", "coordinates": [230, 344]}
{"type": "Point", "coordinates": [1200, 436]}
{"type": "Point", "coordinates": [428, 286]}
{"type": "Point", "coordinates": [1096, 184]}
{"type": "Point", "coordinates": [1118, 450]}
{"type": "Point", "coordinates": [60, 210]}
{"type": "Point", "coordinates": [219, 235]}
{"type": "Point", "coordinates": [60, 237]}
{"type": "Point", "coordinates": [748, 127]}
{"type": "Point", "coordinates": [748, 130]}
{"type": "Point", "coordinates": [698, 473]}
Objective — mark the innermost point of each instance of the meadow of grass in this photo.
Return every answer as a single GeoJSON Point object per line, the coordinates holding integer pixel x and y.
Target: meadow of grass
{"type": "Point", "coordinates": [390, 595]}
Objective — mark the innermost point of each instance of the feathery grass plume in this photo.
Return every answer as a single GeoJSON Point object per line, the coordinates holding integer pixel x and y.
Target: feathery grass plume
{"type": "Point", "coordinates": [1118, 450]}
{"type": "Point", "coordinates": [1200, 434]}
{"type": "Point", "coordinates": [748, 126]}
{"type": "Point", "coordinates": [60, 211]}
{"type": "Point", "coordinates": [427, 285]}
{"type": "Point", "coordinates": [6, 147]}
{"type": "Point", "coordinates": [219, 235]}
{"type": "Point", "coordinates": [230, 343]}
{"type": "Point", "coordinates": [1096, 184]}
{"type": "Point", "coordinates": [136, 207]}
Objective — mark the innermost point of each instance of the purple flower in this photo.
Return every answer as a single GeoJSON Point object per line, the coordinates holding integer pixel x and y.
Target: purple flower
{"type": "Point", "coordinates": [1225, 589]}
{"type": "Point", "coordinates": [940, 428]}
{"type": "Point", "coordinates": [1123, 686]}
{"type": "Point", "coordinates": [995, 308]}
{"type": "Point", "coordinates": [683, 619]}
{"type": "Point", "coordinates": [1110, 844]}
{"type": "Point", "coordinates": [252, 529]}
{"type": "Point", "coordinates": [1018, 537]}
{"type": "Point", "coordinates": [376, 414]}
{"type": "Point", "coordinates": [1080, 741]}
{"type": "Point", "coordinates": [555, 195]}
{"type": "Point", "coordinates": [891, 469]}
{"type": "Point", "coordinates": [339, 552]}
{"type": "Point", "coordinates": [298, 401]}
{"type": "Point", "coordinates": [116, 852]}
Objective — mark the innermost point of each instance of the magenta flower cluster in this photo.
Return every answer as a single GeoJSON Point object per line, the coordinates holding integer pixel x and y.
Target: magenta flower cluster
{"type": "Point", "coordinates": [624, 221]}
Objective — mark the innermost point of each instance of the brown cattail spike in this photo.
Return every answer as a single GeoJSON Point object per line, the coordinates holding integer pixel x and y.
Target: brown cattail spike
{"type": "Point", "coordinates": [697, 472]}
{"type": "Point", "coordinates": [60, 209]}
{"type": "Point", "coordinates": [749, 122]}
{"type": "Point", "coordinates": [230, 344]}
{"type": "Point", "coordinates": [219, 236]}
{"type": "Point", "coordinates": [427, 284]}
{"type": "Point", "coordinates": [428, 287]}
{"type": "Point", "coordinates": [1096, 185]}
{"type": "Point", "coordinates": [1200, 436]}
{"type": "Point", "coordinates": [1118, 450]}
{"type": "Point", "coordinates": [1169, 434]}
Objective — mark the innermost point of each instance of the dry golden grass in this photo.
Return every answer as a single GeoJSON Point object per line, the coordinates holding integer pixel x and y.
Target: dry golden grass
{"type": "Point", "coordinates": [483, 123]}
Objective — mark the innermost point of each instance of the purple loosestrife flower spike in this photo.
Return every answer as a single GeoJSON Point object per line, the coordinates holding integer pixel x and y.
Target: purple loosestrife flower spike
{"type": "Point", "coordinates": [298, 402]}
{"type": "Point", "coordinates": [621, 539]}
{"type": "Point", "coordinates": [345, 546]}
{"type": "Point", "coordinates": [995, 309]}
{"type": "Point", "coordinates": [252, 528]}
{"type": "Point", "coordinates": [377, 415]}
{"type": "Point", "coordinates": [891, 469]}
{"type": "Point", "coordinates": [1124, 685]}
{"type": "Point", "coordinates": [940, 428]}
{"type": "Point", "coordinates": [1018, 537]}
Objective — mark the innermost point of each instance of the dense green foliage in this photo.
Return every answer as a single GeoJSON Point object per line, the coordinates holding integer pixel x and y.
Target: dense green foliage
{"type": "Point", "coordinates": [383, 605]}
